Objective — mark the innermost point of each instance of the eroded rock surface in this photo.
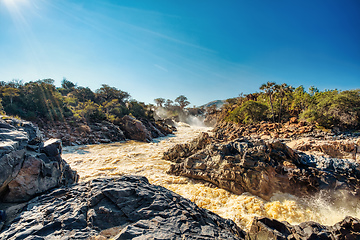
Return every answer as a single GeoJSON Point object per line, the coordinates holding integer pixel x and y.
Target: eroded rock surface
{"type": "Point", "coordinates": [261, 167]}
{"type": "Point", "coordinates": [122, 208]}
{"type": "Point", "coordinates": [29, 166]}
{"type": "Point", "coordinates": [265, 228]}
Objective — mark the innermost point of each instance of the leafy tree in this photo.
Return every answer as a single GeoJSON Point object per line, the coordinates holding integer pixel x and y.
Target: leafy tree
{"type": "Point", "coordinates": [66, 87]}
{"type": "Point", "coordinates": [182, 101]}
{"type": "Point", "coordinates": [249, 112]}
{"type": "Point", "coordinates": [90, 111]}
{"type": "Point", "coordinates": [159, 101]}
{"type": "Point", "coordinates": [168, 103]}
{"type": "Point", "coordinates": [282, 91]}
{"type": "Point", "coordinates": [269, 89]}
{"type": "Point", "coordinates": [137, 109]}
{"type": "Point", "coordinates": [1, 107]}
{"type": "Point", "coordinates": [84, 94]}
{"type": "Point", "coordinates": [300, 101]}
{"type": "Point", "coordinates": [107, 93]}
{"type": "Point", "coordinates": [333, 108]}
{"type": "Point", "coordinates": [10, 92]}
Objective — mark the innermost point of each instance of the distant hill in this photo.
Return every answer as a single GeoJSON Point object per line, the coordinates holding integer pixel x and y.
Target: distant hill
{"type": "Point", "coordinates": [218, 104]}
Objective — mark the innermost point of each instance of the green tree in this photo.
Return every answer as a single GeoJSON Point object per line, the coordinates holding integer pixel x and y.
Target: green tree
{"type": "Point", "coordinates": [269, 89]}
{"type": "Point", "coordinates": [107, 93]}
{"type": "Point", "coordinates": [283, 91]}
{"type": "Point", "coordinates": [168, 103]}
{"type": "Point", "coordinates": [249, 112]}
{"type": "Point", "coordinates": [10, 92]}
{"type": "Point", "coordinates": [159, 101]}
{"type": "Point", "coordinates": [182, 101]}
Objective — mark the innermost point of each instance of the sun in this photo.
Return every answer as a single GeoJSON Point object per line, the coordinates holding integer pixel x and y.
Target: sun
{"type": "Point", "coordinates": [13, 3]}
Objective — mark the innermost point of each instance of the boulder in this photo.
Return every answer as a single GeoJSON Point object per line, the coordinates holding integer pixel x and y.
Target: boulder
{"type": "Point", "coordinates": [134, 129]}
{"type": "Point", "coordinates": [29, 166]}
{"type": "Point", "coordinates": [262, 167]}
{"type": "Point", "coordinates": [265, 228]}
{"type": "Point", "coordinates": [120, 208]}
{"type": "Point", "coordinates": [79, 133]}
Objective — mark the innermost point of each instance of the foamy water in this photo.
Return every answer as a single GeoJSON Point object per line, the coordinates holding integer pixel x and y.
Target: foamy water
{"type": "Point", "coordinates": [116, 159]}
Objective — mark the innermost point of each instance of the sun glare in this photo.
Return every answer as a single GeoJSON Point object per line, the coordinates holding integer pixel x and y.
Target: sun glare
{"type": "Point", "coordinates": [14, 3]}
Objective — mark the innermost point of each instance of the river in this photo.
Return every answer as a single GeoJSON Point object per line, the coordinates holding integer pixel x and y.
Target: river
{"type": "Point", "coordinates": [138, 158]}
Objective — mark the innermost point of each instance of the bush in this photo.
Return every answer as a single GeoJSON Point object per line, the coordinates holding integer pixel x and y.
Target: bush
{"type": "Point", "coordinates": [249, 112]}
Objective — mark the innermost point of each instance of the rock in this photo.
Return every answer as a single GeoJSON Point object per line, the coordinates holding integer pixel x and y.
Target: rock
{"type": "Point", "coordinates": [123, 208]}
{"type": "Point", "coordinates": [185, 150]}
{"type": "Point", "coordinates": [262, 167]}
{"type": "Point", "coordinates": [336, 148]}
{"type": "Point", "coordinates": [30, 167]}
{"type": "Point", "coordinates": [265, 228]}
{"type": "Point", "coordinates": [135, 129]}
{"type": "Point", "coordinates": [79, 133]}
{"type": "Point", "coordinates": [155, 130]}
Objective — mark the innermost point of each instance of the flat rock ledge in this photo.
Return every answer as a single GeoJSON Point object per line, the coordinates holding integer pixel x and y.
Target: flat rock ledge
{"type": "Point", "coordinates": [127, 207]}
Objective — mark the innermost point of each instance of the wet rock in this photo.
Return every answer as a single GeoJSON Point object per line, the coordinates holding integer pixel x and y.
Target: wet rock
{"type": "Point", "coordinates": [122, 208]}
{"type": "Point", "coordinates": [30, 167]}
{"type": "Point", "coordinates": [263, 167]}
{"type": "Point", "coordinates": [187, 149]}
{"type": "Point", "coordinates": [265, 228]}
{"type": "Point", "coordinates": [155, 129]}
{"type": "Point", "coordinates": [134, 129]}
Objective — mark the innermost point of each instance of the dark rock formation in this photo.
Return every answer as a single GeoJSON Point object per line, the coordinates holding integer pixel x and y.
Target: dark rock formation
{"type": "Point", "coordinates": [28, 166]}
{"type": "Point", "coordinates": [265, 228]}
{"type": "Point", "coordinates": [261, 167]}
{"type": "Point", "coordinates": [134, 129]}
{"type": "Point", "coordinates": [123, 208]}
{"type": "Point", "coordinates": [77, 133]}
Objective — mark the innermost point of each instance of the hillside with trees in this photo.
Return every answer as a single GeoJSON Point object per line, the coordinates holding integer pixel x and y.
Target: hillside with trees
{"type": "Point", "coordinates": [278, 103]}
{"type": "Point", "coordinates": [43, 103]}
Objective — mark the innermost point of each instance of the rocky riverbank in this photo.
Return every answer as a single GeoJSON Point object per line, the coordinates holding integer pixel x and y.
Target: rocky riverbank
{"type": "Point", "coordinates": [261, 167]}
{"type": "Point", "coordinates": [298, 135]}
{"type": "Point", "coordinates": [81, 133]}
{"type": "Point", "coordinates": [40, 198]}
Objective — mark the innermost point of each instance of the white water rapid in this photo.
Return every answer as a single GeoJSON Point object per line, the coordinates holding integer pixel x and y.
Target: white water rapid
{"type": "Point", "coordinates": [116, 159]}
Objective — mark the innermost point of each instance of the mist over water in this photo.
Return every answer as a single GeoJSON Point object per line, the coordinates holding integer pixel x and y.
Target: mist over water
{"type": "Point", "coordinates": [137, 158]}
{"type": "Point", "coordinates": [182, 116]}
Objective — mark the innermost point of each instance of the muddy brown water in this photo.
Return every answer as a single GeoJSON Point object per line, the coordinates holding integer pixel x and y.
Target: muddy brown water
{"type": "Point", "coordinates": [132, 157]}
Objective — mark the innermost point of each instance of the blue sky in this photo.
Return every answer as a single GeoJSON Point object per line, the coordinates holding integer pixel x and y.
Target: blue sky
{"type": "Point", "coordinates": [203, 49]}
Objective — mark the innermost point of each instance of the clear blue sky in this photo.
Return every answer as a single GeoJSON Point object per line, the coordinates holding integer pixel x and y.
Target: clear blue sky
{"type": "Point", "coordinates": [203, 49]}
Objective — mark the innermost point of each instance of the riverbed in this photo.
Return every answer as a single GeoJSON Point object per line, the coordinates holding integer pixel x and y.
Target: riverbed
{"type": "Point", "coordinates": [138, 158]}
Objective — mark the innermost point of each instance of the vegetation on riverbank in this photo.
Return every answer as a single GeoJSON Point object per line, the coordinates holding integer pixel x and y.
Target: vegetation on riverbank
{"type": "Point", "coordinates": [42, 102]}
{"type": "Point", "coordinates": [279, 103]}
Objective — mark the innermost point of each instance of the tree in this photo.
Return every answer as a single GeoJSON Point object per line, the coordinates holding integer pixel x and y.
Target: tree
{"type": "Point", "coordinates": [269, 89]}
{"type": "Point", "coordinates": [182, 101]}
{"type": "Point", "coordinates": [168, 103]}
{"type": "Point", "coordinates": [282, 90]}
{"type": "Point", "coordinates": [249, 112]}
{"type": "Point", "coordinates": [300, 101]}
{"type": "Point", "coordinates": [159, 101]}
{"type": "Point", "coordinates": [107, 93]}
{"type": "Point", "coordinates": [11, 93]}
{"type": "Point", "coordinates": [66, 84]}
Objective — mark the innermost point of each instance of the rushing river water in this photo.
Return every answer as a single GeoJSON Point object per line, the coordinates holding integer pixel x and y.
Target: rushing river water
{"type": "Point", "coordinates": [137, 158]}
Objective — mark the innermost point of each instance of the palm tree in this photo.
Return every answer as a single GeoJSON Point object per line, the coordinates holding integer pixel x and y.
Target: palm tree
{"type": "Point", "coordinates": [269, 89]}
